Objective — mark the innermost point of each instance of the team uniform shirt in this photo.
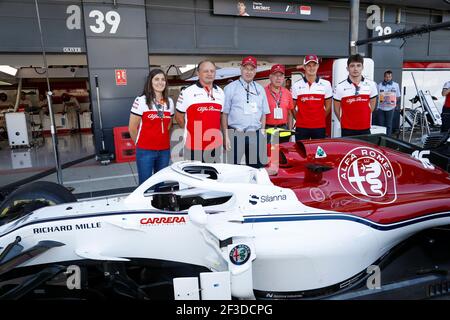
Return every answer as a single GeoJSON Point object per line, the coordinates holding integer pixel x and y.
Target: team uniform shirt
{"type": "Point", "coordinates": [245, 104]}
{"type": "Point", "coordinates": [153, 133]}
{"type": "Point", "coordinates": [355, 103]}
{"type": "Point", "coordinates": [310, 102]}
{"type": "Point", "coordinates": [389, 92]}
{"type": "Point", "coordinates": [202, 110]}
{"type": "Point", "coordinates": [281, 100]}
{"type": "Point", "coordinates": [447, 97]}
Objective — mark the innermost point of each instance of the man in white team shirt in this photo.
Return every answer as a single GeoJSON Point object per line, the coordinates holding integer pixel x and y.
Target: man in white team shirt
{"type": "Point", "coordinates": [198, 110]}
{"type": "Point", "coordinates": [355, 99]}
{"type": "Point", "coordinates": [312, 96]}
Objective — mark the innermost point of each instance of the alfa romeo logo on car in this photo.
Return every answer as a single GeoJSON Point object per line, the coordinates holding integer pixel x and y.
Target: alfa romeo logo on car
{"type": "Point", "coordinates": [367, 174]}
{"type": "Point", "coordinates": [240, 254]}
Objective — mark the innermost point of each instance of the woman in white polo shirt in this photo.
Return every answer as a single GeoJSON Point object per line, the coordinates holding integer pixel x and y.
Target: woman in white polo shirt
{"type": "Point", "coordinates": [149, 126]}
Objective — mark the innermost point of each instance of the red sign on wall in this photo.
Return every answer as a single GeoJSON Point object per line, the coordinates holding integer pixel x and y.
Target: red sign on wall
{"type": "Point", "coordinates": [121, 77]}
{"type": "Point", "coordinates": [305, 10]}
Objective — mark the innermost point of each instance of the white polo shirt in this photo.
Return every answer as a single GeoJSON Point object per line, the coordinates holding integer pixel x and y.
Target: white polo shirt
{"type": "Point", "coordinates": [153, 133]}
{"type": "Point", "coordinates": [310, 102]}
{"type": "Point", "coordinates": [202, 110]}
{"type": "Point", "coordinates": [355, 103]}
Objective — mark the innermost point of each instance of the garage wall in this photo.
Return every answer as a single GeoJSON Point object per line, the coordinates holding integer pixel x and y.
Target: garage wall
{"type": "Point", "coordinates": [19, 31]}
{"type": "Point", "coordinates": [434, 46]}
{"type": "Point", "coordinates": [176, 26]}
{"type": "Point", "coordinates": [388, 55]}
{"type": "Point", "coordinates": [189, 27]}
{"type": "Point", "coordinates": [109, 50]}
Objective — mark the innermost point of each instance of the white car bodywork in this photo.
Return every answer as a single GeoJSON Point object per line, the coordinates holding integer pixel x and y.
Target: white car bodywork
{"type": "Point", "coordinates": [288, 247]}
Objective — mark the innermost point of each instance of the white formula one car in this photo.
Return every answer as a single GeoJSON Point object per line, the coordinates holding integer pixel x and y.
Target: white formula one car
{"type": "Point", "coordinates": [335, 211]}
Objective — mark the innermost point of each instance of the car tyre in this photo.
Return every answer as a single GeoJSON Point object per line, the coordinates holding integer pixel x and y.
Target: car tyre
{"type": "Point", "coordinates": [33, 196]}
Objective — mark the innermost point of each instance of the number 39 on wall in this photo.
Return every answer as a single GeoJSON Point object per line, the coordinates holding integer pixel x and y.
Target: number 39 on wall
{"type": "Point", "coordinates": [384, 31]}
{"type": "Point", "coordinates": [112, 18]}
{"type": "Point", "coordinates": [374, 22]}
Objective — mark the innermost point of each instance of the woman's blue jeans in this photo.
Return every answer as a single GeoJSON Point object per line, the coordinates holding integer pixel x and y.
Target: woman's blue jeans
{"type": "Point", "coordinates": [151, 161]}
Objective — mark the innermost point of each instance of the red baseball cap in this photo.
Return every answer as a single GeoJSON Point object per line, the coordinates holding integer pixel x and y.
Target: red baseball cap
{"type": "Point", "coordinates": [277, 68]}
{"type": "Point", "coordinates": [310, 58]}
{"type": "Point", "coordinates": [249, 60]}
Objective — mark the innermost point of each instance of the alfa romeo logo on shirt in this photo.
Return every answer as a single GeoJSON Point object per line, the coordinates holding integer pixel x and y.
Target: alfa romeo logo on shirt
{"type": "Point", "coordinates": [202, 109]}
{"type": "Point", "coordinates": [240, 254]}
{"type": "Point", "coordinates": [358, 99]}
{"type": "Point", "coordinates": [367, 174]}
{"type": "Point", "coordinates": [304, 99]}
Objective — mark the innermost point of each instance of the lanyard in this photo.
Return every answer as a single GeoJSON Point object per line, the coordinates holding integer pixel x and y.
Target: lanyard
{"type": "Point", "coordinates": [159, 108]}
{"type": "Point", "coordinates": [160, 113]}
{"type": "Point", "coordinates": [248, 90]}
{"type": "Point", "coordinates": [278, 102]}
{"type": "Point", "coordinates": [357, 88]}
{"type": "Point", "coordinates": [209, 93]}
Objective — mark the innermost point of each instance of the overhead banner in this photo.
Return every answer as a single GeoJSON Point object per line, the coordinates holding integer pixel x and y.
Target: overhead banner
{"type": "Point", "coordinates": [272, 9]}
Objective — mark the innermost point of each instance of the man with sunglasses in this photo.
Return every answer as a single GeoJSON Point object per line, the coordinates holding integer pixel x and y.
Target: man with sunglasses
{"type": "Point", "coordinates": [244, 117]}
{"type": "Point", "coordinates": [355, 99]}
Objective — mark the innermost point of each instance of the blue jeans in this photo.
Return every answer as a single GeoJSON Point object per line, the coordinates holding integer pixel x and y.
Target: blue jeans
{"type": "Point", "coordinates": [385, 119]}
{"type": "Point", "coordinates": [151, 161]}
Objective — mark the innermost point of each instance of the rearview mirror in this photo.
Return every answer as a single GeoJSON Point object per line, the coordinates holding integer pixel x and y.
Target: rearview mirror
{"type": "Point", "coordinates": [197, 215]}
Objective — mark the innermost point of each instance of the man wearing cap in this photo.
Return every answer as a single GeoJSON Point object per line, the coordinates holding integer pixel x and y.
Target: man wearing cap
{"type": "Point", "coordinates": [355, 99]}
{"type": "Point", "coordinates": [312, 96]}
{"type": "Point", "coordinates": [280, 100]}
{"type": "Point", "coordinates": [389, 101]}
{"type": "Point", "coordinates": [244, 117]}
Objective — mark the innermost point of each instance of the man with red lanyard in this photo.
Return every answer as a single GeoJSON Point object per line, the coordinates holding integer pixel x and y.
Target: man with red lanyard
{"type": "Point", "coordinates": [312, 96]}
{"type": "Point", "coordinates": [355, 99]}
{"type": "Point", "coordinates": [198, 110]}
{"type": "Point", "coordinates": [446, 108]}
{"type": "Point", "coordinates": [279, 99]}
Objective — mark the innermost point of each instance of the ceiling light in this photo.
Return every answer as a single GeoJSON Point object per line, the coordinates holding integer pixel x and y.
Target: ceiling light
{"type": "Point", "coordinates": [187, 67]}
{"type": "Point", "coordinates": [8, 70]}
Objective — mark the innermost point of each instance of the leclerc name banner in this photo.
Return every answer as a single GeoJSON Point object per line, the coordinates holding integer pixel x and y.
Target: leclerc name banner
{"type": "Point", "coordinates": [271, 9]}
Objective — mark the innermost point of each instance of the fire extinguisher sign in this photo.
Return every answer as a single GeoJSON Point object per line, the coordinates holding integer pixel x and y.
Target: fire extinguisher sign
{"type": "Point", "coordinates": [121, 77]}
